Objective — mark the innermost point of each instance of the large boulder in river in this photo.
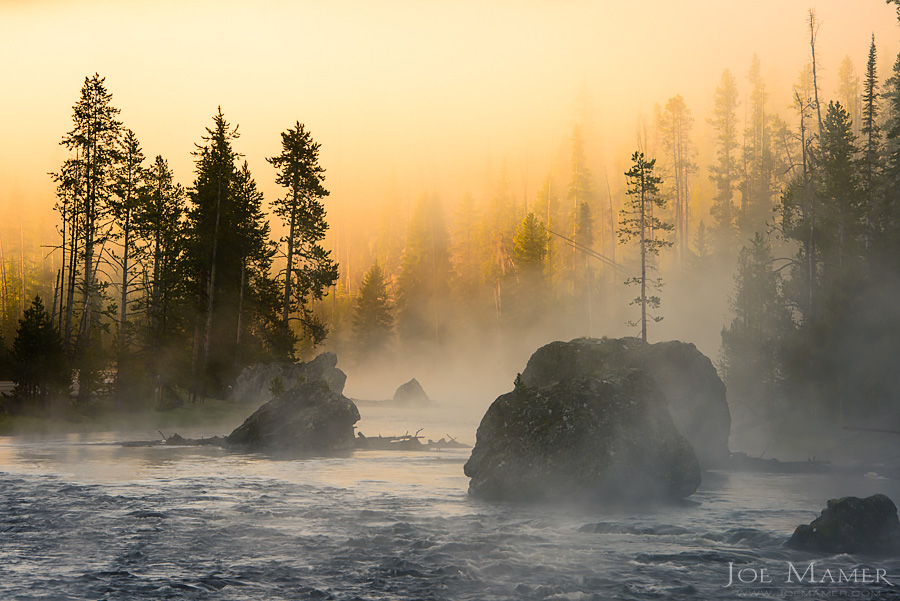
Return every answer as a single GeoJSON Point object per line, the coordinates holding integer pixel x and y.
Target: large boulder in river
{"type": "Point", "coordinates": [852, 525]}
{"type": "Point", "coordinates": [308, 419]}
{"type": "Point", "coordinates": [686, 377]}
{"type": "Point", "coordinates": [582, 439]}
{"type": "Point", "coordinates": [257, 383]}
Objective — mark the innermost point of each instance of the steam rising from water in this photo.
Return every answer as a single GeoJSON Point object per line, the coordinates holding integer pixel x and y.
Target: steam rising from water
{"type": "Point", "coordinates": [98, 521]}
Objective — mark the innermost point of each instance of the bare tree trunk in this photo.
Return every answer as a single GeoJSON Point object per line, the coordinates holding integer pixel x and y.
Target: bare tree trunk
{"type": "Point", "coordinates": [22, 266]}
{"type": "Point", "coordinates": [3, 290]}
{"type": "Point", "coordinates": [813, 31]}
{"type": "Point", "coordinates": [288, 272]}
{"type": "Point", "coordinates": [240, 312]}
{"type": "Point", "coordinates": [211, 288]}
{"type": "Point", "coordinates": [123, 310]}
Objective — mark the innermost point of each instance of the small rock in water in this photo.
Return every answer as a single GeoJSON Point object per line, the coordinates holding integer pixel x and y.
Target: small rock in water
{"type": "Point", "coordinates": [852, 525]}
{"type": "Point", "coordinates": [411, 392]}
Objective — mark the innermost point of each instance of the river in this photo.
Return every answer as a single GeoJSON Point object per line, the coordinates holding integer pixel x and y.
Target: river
{"type": "Point", "coordinates": [81, 518]}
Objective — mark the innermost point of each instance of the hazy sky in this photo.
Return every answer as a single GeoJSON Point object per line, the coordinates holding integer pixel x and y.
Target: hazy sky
{"type": "Point", "coordinates": [420, 93]}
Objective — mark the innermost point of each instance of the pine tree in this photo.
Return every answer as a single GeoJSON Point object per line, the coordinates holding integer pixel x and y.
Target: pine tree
{"type": "Point", "coordinates": [160, 245]}
{"type": "Point", "coordinates": [466, 257]}
{"type": "Point", "coordinates": [753, 344]}
{"type": "Point", "coordinates": [498, 229]}
{"type": "Point", "coordinates": [129, 195]}
{"type": "Point", "coordinates": [842, 218]}
{"type": "Point", "coordinates": [227, 245]}
{"type": "Point", "coordinates": [39, 362]}
{"type": "Point", "coordinates": [309, 268]}
{"type": "Point", "coordinates": [531, 245]}
{"type": "Point", "coordinates": [582, 200]}
{"type": "Point", "coordinates": [373, 321]}
{"type": "Point", "coordinates": [530, 256]}
{"type": "Point", "coordinates": [422, 287]}
{"type": "Point", "coordinates": [87, 182]}
{"type": "Point", "coordinates": [848, 93]}
{"type": "Point", "coordinates": [724, 173]}
{"type": "Point", "coordinates": [891, 97]}
{"type": "Point", "coordinates": [870, 132]}
{"type": "Point", "coordinates": [675, 126]}
{"type": "Point", "coordinates": [757, 169]}
{"type": "Point", "coordinates": [639, 223]}
{"type": "Point", "coordinates": [257, 335]}
{"type": "Point", "coordinates": [207, 221]}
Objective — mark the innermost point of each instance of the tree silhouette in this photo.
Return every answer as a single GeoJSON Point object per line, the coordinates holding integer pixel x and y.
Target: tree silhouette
{"type": "Point", "coordinates": [309, 269]}
{"type": "Point", "coordinates": [372, 318]}
{"type": "Point", "coordinates": [39, 362]}
{"type": "Point", "coordinates": [639, 223]}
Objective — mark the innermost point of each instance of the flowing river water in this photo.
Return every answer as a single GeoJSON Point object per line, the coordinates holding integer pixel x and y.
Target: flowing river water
{"type": "Point", "coordinates": [81, 518]}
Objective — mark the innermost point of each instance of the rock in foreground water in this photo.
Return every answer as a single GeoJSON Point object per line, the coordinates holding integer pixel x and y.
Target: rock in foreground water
{"type": "Point", "coordinates": [582, 439]}
{"type": "Point", "coordinates": [852, 525]}
{"type": "Point", "coordinates": [308, 419]}
{"type": "Point", "coordinates": [686, 377]}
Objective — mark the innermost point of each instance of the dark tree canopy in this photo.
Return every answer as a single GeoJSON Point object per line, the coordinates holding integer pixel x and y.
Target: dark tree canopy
{"type": "Point", "coordinates": [373, 321]}
{"type": "Point", "coordinates": [309, 269]}
{"type": "Point", "coordinates": [39, 364]}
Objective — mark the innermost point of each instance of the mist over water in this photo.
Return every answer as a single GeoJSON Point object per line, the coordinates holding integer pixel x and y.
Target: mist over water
{"type": "Point", "coordinates": [84, 519]}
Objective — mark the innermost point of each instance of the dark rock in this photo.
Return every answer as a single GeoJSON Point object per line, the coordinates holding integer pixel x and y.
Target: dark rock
{"type": "Point", "coordinates": [257, 383]}
{"type": "Point", "coordinates": [686, 377]}
{"type": "Point", "coordinates": [308, 419]}
{"type": "Point", "coordinates": [411, 392]}
{"type": "Point", "coordinates": [582, 439]}
{"type": "Point", "coordinates": [852, 525]}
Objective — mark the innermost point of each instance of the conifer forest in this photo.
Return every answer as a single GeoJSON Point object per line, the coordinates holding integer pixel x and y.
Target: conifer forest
{"type": "Point", "coordinates": [762, 224]}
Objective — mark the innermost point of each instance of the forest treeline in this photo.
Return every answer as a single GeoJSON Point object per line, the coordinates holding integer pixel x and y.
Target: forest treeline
{"type": "Point", "coordinates": [162, 292]}
{"type": "Point", "coordinates": [165, 292]}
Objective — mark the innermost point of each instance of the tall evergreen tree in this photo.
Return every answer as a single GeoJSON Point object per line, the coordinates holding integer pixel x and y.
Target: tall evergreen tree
{"type": "Point", "coordinates": [842, 217]}
{"type": "Point", "coordinates": [639, 223]}
{"type": "Point", "coordinates": [724, 173]}
{"type": "Point", "coordinates": [373, 320]}
{"type": "Point", "coordinates": [227, 235]}
{"type": "Point", "coordinates": [580, 197]}
{"type": "Point", "coordinates": [88, 179]}
{"type": "Point", "coordinates": [309, 268]}
{"type": "Point", "coordinates": [848, 93]}
{"type": "Point", "coordinates": [675, 127]}
{"type": "Point", "coordinates": [160, 246]}
{"type": "Point", "coordinates": [422, 288]}
{"type": "Point", "coordinates": [753, 344]}
{"type": "Point", "coordinates": [757, 169]}
{"type": "Point", "coordinates": [531, 253]}
{"type": "Point", "coordinates": [208, 221]}
{"type": "Point", "coordinates": [871, 147]}
{"type": "Point", "coordinates": [891, 96]}
{"type": "Point", "coordinates": [129, 192]}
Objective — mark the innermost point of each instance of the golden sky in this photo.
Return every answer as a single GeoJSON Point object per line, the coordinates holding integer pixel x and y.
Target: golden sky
{"type": "Point", "coordinates": [419, 93]}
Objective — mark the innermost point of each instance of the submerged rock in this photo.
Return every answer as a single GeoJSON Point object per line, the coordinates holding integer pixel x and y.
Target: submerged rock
{"type": "Point", "coordinates": [582, 439]}
{"type": "Point", "coordinates": [411, 392]}
{"type": "Point", "coordinates": [260, 383]}
{"type": "Point", "coordinates": [688, 380]}
{"type": "Point", "coordinates": [308, 419]}
{"type": "Point", "coordinates": [852, 525]}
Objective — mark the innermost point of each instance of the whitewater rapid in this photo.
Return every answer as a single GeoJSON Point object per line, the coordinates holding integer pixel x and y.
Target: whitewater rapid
{"type": "Point", "coordinates": [81, 518]}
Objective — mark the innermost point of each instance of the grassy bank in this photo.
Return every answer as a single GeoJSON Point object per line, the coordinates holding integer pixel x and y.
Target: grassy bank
{"type": "Point", "coordinates": [218, 416]}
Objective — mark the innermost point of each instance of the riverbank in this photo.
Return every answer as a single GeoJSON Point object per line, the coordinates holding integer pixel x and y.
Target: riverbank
{"type": "Point", "coordinates": [102, 416]}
